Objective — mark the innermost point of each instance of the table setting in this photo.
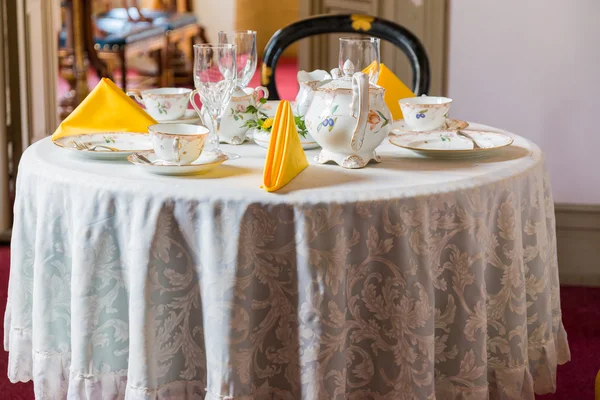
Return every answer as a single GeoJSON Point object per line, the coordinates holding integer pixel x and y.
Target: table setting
{"type": "Point", "coordinates": [356, 242]}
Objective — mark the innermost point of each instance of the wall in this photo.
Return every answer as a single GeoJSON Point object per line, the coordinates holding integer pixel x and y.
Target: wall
{"type": "Point", "coordinates": [263, 16]}
{"type": "Point", "coordinates": [266, 17]}
{"type": "Point", "coordinates": [215, 16]}
{"type": "Point", "coordinates": [531, 67]}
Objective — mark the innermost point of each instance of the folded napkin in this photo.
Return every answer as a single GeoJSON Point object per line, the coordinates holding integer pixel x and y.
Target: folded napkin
{"type": "Point", "coordinates": [285, 157]}
{"type": "Point", "coordinates": [106, 109]}
{"type": "Point", "coordinates": [395, 89]}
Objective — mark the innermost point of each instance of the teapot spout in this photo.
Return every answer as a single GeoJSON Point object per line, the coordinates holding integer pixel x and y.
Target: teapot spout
{"type": "Point", "coordinates": [308, 82]}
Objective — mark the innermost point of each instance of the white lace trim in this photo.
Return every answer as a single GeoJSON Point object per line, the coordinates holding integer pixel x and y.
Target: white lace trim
{"type": "Point", "coordinates": [53, 378]}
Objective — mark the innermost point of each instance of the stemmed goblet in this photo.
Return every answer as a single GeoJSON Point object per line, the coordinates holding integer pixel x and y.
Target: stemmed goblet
{"type": "Point", "coordinates": [215, 78]}
{"type": "Point", "coordinates": [358, 54]}
{"type": "Point", "coordinates": [245, 42]}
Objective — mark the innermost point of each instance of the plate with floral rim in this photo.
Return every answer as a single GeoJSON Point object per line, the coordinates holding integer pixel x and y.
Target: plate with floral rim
{"type": "Point", "coordinates": [400, 126]}
{"type": "Point", "coordinates": [125, 144]}
{"type": "Point", "coordinates": [205, 163]}
{"type": "Point", "coordinates": [451, 144]}
{"type": "Point", "coordinates": [263, 139]}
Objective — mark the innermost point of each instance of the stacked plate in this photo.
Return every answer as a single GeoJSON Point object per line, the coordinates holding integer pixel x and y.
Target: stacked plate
{"type": "Point", "coordinates": [137, 149]}
{"type": "Point", "coordinates": [451, 142]}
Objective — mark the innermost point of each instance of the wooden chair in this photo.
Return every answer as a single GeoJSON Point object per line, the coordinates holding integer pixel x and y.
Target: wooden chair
{"type": "Point", "coordinates": [123, 40]}
{"type": "Point", "coordinates": [127, 39]}
{"type": "Point", "coordinates": [181, 29]}
{"type": "Point", "coordinates": [342, 23]}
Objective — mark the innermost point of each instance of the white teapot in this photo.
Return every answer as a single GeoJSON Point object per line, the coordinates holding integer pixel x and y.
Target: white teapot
{"type": "Point", "coordinates": [348, 117]}
{"type": "Point", "coordinates": [308, 82]}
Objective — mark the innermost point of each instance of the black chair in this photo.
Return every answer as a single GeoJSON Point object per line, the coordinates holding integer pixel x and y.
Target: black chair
{"type": "Point", "coordinates": [345, 23]}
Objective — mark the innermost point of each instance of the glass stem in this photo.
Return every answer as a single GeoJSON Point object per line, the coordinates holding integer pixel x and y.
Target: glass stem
{"type": "Point", "coordinates": [215, 137]}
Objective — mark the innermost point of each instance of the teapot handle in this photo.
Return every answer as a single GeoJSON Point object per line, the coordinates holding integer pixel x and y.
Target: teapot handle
{"type": "Point", "coordinates": [359, 108]}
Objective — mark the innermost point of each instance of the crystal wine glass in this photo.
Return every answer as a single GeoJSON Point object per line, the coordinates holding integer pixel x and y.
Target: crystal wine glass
{"type": "Point", "coordinates": [358, 54]}
{"type": "Point", "coordinates": [245, 42]}
{"type": "Point", "coordinates": [215, 77]}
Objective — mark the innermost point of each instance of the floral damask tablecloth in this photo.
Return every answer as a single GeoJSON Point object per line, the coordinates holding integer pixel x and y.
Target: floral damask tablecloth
{"type": "Point", "coordinates": [411, 279]}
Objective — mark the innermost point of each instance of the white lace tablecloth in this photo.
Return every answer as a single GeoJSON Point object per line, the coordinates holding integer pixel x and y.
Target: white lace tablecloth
{"type": "Point", "coordinates": [409, 279]}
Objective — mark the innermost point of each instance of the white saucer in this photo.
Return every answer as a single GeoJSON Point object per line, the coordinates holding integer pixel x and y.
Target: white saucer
{"type": "Point", "coordinates": [205, 163]}
{"type": "Point", "coordinates": [451, 125]}
{"type": "Point", "coordinates": [190, 117]}
{"type": "Point", "coordinates": [263, 138]}
{"type": "Point", "coordinates": [124, 143]}
{"type": "Point", "coordinates": [450, 144]}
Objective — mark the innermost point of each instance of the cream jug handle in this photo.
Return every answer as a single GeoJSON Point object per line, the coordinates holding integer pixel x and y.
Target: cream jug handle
{"type": "Point", "coordinates": [193, 103]}
{"type": "Point", "coordinates": [359, 108]}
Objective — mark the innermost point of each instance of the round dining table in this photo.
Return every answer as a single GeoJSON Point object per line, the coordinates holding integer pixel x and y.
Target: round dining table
{"type": "Point", "coordinates": [414, 278]}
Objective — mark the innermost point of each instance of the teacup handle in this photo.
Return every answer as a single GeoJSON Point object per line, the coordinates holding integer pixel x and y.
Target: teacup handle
{"type": "Point", "coordinates": [136, 96]}
{"type": "Point", "coordinates": [193, 103]}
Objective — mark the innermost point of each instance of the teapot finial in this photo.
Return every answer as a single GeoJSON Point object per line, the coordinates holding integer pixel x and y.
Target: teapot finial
{"type": "Point", "coordinates": [348, 68]}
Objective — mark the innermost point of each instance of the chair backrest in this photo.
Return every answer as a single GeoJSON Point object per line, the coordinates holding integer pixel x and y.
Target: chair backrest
{"type": "Point", "coordinates": [346, 23]}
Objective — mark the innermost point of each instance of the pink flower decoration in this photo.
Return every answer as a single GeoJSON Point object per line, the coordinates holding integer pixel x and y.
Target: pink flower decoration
{"type": "Point", "coordinates": [240, 108]}
{"type": "Point", "coordinates": [167, 105]}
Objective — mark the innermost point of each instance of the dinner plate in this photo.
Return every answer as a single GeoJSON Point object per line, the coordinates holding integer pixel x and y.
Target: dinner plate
{"type": "Point", "coordinates": [400, 126]}
{"type": "Point", "coordinates": [124, 143]}
{"type": "Point", "coordinates": [206, 162]}
{"type": "Point", "coordinates": [450, 144]}
{"type": "Point", "coordinates": [263, 138]}
{"type": "Point", "coordinates": [190, 117]}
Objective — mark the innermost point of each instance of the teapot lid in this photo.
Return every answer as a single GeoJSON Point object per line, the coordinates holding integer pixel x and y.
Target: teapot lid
{"type": "Point", "coordinates": [343, 80]}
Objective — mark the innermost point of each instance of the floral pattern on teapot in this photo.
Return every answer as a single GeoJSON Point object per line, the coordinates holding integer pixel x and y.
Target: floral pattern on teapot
{"type": "Point", "coordinates": [375, 119]}
{"type": "Point", "coordinates": [329, 121]}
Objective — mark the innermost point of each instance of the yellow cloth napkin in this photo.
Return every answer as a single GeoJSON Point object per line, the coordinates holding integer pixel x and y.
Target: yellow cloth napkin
{"type": "Point", "coordinates": [395, 89]}
{"type": "Point", "coordinates": [285, 157]}
{"type": "Point", "coordinates": [106, 109]}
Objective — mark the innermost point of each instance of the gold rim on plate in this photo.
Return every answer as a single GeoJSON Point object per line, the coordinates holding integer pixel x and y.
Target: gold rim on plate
{"type": "Point", "coordinates": [59, 144]}
{"type": "Point", "coordinates": [473, 150]}
{"type": "Point", "coordinates": [132, 159]}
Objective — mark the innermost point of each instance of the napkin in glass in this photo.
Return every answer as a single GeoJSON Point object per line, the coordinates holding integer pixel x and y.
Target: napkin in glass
{"type": "Point", "coordinates": [106, 109]}
{"type": "Point", "coordinates": [285, 156]}
{"type": "Point", "coordinates": [395, 89]}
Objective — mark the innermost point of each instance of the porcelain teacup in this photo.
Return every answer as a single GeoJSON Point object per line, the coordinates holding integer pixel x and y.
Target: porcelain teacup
{"type": "Point", "coordinates": [163, 104]}
{"type": "Point", "coordinates": [242, 107]}
{"type": "Point", "coordinates": [178, 143]}
{"type": "Point", "coordinates": [425, 113]}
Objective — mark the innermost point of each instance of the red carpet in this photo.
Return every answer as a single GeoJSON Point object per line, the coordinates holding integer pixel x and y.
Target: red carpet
{"type": "Point", "coordinates": [581, 316]}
